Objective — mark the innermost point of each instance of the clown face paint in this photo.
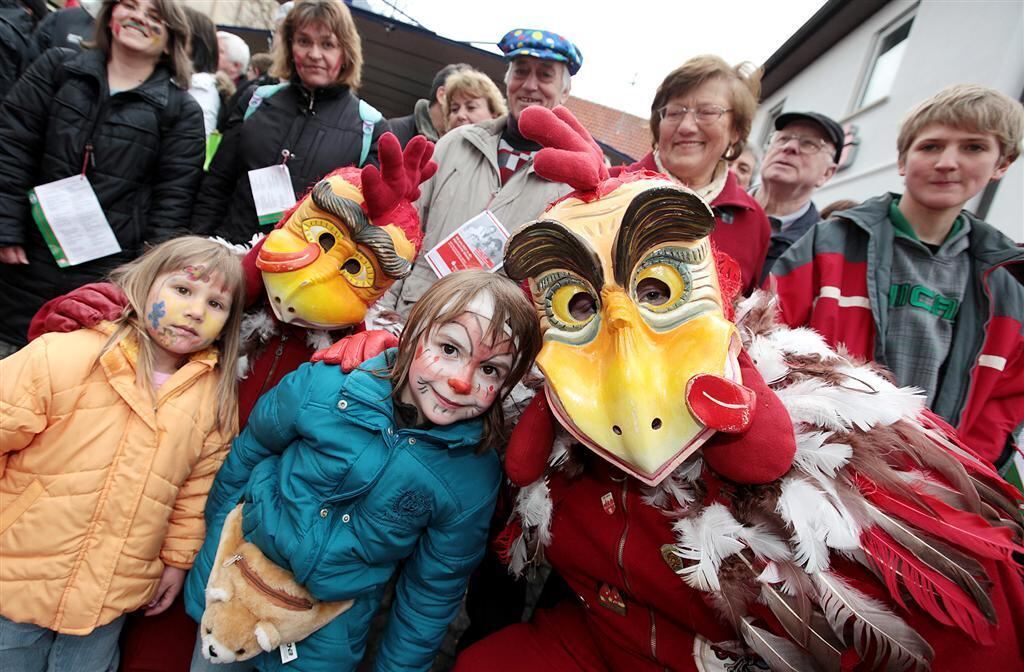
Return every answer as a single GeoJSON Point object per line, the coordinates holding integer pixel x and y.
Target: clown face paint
{"type": "Point", "coordinates": [457, 372]}
{"type": "Point", "coordinates": [185, 312]}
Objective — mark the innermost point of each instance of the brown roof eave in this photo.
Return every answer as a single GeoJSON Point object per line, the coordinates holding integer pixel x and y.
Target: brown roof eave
{"type": "Point", "coordinates": [834, 21]}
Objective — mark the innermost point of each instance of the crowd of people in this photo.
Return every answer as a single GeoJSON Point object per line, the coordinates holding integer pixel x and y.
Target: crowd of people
{"type": "Point", "coordinates": [113, 437]}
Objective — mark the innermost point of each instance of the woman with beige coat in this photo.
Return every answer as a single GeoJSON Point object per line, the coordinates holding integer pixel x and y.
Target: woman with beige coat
{"type": "Point", "coordinates": [109, 441]}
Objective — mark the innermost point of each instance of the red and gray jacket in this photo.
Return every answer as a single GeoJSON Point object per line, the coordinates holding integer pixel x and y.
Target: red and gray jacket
{"type": "Point", "coordinates": [836, 280]}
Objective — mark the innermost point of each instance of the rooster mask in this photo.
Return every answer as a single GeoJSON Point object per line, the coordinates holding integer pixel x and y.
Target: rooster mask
{"type": "Point", "coordinates": [640, 358]}
{"type": "Point", "coordinates": [347, 241]}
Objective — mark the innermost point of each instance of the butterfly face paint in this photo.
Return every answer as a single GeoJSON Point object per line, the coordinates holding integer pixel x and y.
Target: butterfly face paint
{"type": "Point", "coordinates": [458, 372]}
{"type": "Point", "coordinates": [186, 310]}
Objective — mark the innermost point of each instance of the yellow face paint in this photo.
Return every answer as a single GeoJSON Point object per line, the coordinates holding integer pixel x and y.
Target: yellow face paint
{"type": "Point", "coordinates": [186, 310]}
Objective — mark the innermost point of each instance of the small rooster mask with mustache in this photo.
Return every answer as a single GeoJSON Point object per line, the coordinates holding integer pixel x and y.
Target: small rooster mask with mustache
{"type": "Point", "coordinates": [641, 361]}
{"type": "Point", "coordinates": [347, 241]}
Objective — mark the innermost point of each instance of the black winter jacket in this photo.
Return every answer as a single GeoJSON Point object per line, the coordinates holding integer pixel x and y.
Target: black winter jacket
{"type": "Point", "coordinates": [322, 131]}
{"type": "Point", "coordinates": [63, 28]}
{"type": "Point", "coordinates": [147, 161]}
{"type": "Point", "coordinates": [15, 47]}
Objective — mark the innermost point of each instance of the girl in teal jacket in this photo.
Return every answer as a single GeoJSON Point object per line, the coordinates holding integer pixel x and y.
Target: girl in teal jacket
{"type": "Point", "coordinates": [343, 476]}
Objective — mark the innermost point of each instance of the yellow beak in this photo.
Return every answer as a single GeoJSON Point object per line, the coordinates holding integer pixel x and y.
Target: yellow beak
{"type": "Point", "coordinates": [624, 393]}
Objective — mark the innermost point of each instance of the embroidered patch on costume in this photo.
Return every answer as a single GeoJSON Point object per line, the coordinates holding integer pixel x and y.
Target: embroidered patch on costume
{"type": "Point", "coordinates": [407, 507]}
{"type": "Point", "coordinates": [608, 503]}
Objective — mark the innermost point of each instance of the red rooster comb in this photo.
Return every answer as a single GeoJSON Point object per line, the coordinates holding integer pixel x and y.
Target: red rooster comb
{"type": "Point", "coordinates": [397, 183]}
{"type": "Point", "coordinates": [570, 154]}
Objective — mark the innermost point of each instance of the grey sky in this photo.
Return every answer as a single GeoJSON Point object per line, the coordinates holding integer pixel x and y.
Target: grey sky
{"type": "Point", "coordinates": [628, 47]}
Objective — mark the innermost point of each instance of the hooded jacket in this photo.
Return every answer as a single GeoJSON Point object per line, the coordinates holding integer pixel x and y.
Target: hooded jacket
{"type": "Point", "coordinates": [145, 166]}
{"type": "Point", "coordinates": [100, 486]}
{"type": "Point", "coordinates": [337, 493]}
{"type": "Point", "coordinates": [836, 280]}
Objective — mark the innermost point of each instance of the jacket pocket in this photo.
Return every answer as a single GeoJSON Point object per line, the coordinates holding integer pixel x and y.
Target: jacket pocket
{"type": "Point", "coordinates": [20, 505]}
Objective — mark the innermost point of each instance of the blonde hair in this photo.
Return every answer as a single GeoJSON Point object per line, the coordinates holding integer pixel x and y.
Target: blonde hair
{"type": "Point", "coordinates": [177, 58]}
{"type": "Point", "coordinates": [333, 15]}
{"type": "Point", "coordinates": [968, 107]}
{"type": "Point", "coordinates": [448, 298]}
{"type": "Point", "coordinates": [743, 79]}
{"type": "Point", "coordinates": [136, 278]}
{"type": "Point", "coordinates": [473, 84]}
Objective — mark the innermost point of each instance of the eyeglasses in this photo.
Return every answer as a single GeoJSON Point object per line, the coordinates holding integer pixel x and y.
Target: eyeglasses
{"type": "Point", "coordinates": [805, 144]}
{"type": "Point", "coordinates": [703, 115]}
{"type": "Point", "coordinates": [151, 17]}
{"type": "Point", "coordinates": [306, 44]}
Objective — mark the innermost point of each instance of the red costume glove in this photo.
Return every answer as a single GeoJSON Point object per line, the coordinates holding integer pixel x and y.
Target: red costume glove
{"type": "Point", "coordinates": [351, 351]}
{"type": "Point", "coordinates": [529, 447]}
{"type": "Point", "coordinates": [84, 307]}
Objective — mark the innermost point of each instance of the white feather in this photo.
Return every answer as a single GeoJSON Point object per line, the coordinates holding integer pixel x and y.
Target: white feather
{"type": "Point", "coordinates": [768, 358]}
{"type": "Point", "coordinates": [818, 523]}
{"type": "Point", "coordinates": [517, 559]}
{"type": "Point", "coordinates": [242, 367]}
{"type": "Point", "coordinates": [764, 544]}
{"type": "Point", "coordinates": [318, 339]}
{"type": "Point", "coordinates": [706, 541]}
{"type": "Point", "coordinates": [801, 341]}
{"type": "Point", "coordinates": [258, 326]}
{"type": "Point", "coordinates": [239, 249]}
{"type": "Point", "coordinates": [816, 402]}
{"type": "Point", "coordinates": [560, 447]}
{"type": "Point", "coordinates": [817, 458]}
{"type": "Point", "coordinates": [534, 508]}
{"type": "Point", "coordinates": [674, 492]}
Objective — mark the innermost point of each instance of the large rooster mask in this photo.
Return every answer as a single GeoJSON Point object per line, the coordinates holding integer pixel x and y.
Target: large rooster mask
{"type": "Point", "coordinates": [347, 241]}
{"type": "Point", "coordinates": [640, 358]}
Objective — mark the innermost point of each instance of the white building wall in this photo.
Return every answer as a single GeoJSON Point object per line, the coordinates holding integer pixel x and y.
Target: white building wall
{"type": "Point", "coordinates": [950, 42]}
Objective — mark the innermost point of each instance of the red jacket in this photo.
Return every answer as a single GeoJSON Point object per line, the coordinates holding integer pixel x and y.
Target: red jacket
{"type": "Point", "coordinates": [835, 280]}
{"type": "Point", "coordinates": [741, 227]}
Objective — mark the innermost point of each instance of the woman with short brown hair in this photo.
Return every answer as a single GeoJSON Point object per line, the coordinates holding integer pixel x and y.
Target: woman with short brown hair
{"type": "Point", "coordinates": [312, 122]}
{"type": "Point", "coordinates": [700, 118]}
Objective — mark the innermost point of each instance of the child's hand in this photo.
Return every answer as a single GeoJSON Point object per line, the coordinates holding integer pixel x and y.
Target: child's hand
{"type": "Point", "coordinates": [353, 350]}
{"type": "Point", "coordinates": [171, 582]}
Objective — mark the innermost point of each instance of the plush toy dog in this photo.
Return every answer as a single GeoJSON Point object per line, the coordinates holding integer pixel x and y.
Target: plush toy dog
{"type": "Point", "coordinates": [252, 605]}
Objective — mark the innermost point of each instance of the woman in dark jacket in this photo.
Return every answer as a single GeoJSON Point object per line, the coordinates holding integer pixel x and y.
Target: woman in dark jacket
{"type": "Point", "coordinates": [115, 113]}
{"type": "Point", "coordinates": [312, 122]}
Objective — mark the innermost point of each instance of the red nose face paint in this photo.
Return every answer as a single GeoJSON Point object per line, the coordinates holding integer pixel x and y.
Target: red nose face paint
{"type": "Point", "coordinates": [459, 386]}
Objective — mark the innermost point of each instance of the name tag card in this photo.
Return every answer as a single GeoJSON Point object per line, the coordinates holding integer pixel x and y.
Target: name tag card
{"type": "Point", "coordinates": [272, 192]}
{"type": "Point", "coordinates": [476, 244]}
{"type": "Point", "coordinates": [72, 222]}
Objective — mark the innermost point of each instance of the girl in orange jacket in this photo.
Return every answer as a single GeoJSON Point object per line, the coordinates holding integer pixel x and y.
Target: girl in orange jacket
{"type": "Point", "coordinates": [109, 441]}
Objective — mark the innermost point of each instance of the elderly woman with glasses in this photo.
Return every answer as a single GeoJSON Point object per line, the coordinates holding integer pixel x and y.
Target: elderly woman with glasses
{"type": "Point", "coordinates": [311, 123]}
{"type": "Point", "coordinates": [700, 119]}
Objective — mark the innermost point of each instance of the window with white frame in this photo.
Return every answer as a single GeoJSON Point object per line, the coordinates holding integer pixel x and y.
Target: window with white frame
{"type": "Point", "coordinates": [885, 61]}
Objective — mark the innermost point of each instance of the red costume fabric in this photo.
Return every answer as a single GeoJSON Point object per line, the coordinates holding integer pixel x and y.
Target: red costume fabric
{"type": "Point", "coordinates": [618, 544]}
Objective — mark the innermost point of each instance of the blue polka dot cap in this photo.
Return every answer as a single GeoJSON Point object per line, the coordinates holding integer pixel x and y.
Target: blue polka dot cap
{"type": "Point", "coordinates": [541, 44]}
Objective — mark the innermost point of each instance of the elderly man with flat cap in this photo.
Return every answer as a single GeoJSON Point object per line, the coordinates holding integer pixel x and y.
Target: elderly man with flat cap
{"type": "Point", "coordinates": [489, 166]}
{"type": "Point", "coordinates": [802, 155]}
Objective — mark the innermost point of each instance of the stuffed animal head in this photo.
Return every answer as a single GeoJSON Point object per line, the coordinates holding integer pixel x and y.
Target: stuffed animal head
{"type": "Point", "coordinates": [252, 605]}
{"type": "Point", "coordinates": [231, 632]}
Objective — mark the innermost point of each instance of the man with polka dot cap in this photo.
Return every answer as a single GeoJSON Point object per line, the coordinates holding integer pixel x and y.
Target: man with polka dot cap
{"type": "Point", "coordinates": [489, 166]}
